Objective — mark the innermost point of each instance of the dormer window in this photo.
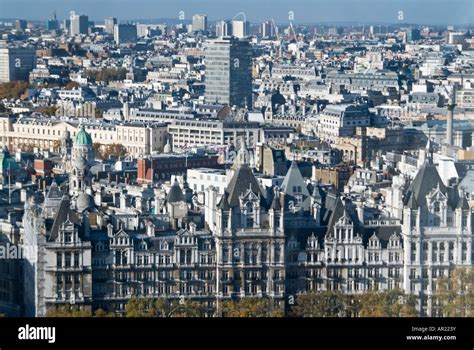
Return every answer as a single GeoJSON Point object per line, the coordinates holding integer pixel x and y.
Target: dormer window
{"type": "Point", "coordinates": [436, 207]}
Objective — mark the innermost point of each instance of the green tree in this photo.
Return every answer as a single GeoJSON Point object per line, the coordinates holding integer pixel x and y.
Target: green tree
{"type": "Point", "coordinates": [103, 313]}
{"type": "Point", "coordinates": [107, 75]}
{"type": "Point", "coordinates": [322, 304]}
{"type": "Point", "coordinates": [394, 303]}
{"type": "Point", "coordinates": [67, 311]}
{"type": "Point", "coordinates": [250, 307]}
{"type": "Point", "coordinates": [455, 295]}
{"type": "Point", "coordinates": [163, 307]}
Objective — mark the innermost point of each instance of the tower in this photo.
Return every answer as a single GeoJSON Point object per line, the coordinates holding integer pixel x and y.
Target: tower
{"type": "Point", "coordinates": [82, 159]}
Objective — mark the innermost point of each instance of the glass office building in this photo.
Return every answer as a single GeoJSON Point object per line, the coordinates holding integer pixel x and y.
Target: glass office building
{"type": "Point", "coordinates": [228, 77]}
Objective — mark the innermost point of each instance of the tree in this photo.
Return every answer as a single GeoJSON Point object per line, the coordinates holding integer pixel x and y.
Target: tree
{"type": "Point", "coordinates": [13, 89]}
{"type": "Point", "coordinates": [393, 303]}
{"type": "Point", "coordinates": [107, 75]}
{"type": "Point", "coordinates": [251, 307]}
{"type": "Point", "coordinates": [163, 307]}
{"type": "Point", "coordinates": [103, 313]}
{"type": "Point", "coordinates": [67, 311]}
{"type": "Point", "coordinates": [455, 295]}
{"type": "Point", "coordinates": [72, 85]}
{"type": "Point", "coordinates": [322, 304]}
{"type": "Point", "coordinates": [105, 151]}
{"type": "Point", "coordinates": [48, 110]}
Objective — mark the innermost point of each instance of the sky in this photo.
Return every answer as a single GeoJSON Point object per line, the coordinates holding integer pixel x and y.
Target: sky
{"type": "Point", "coordinates": [445, 12]}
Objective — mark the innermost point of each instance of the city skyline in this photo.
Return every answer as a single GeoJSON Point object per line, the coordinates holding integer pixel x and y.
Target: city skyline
{"type": "Point", "coordinates": [437, 12]}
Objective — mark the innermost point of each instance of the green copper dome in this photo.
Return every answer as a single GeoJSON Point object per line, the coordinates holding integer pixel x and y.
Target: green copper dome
{"type": "Point", "coordinates": [83, 137]}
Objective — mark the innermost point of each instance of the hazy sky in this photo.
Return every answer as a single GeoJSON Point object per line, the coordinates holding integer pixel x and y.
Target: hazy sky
{"type": "Point", "coordinates": [363, 11]}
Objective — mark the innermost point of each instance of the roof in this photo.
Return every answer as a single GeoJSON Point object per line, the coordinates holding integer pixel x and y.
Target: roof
{"type": "Point", "coordinates": [175, 194]}
{"type": "Point", "coordinates": [242, 180]}
{"type": "Point", "coordinates": [83, 137]}
{"type": "Point", "coordinates": [425, 180]}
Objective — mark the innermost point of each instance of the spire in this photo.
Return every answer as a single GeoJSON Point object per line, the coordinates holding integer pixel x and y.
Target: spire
{"type": "Point", "coordinates": [429, 150]}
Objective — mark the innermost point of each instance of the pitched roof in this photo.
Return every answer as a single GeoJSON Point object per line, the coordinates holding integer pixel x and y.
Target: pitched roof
{"type": "Point", "coordinates": [425, 180]}
{"type": "Point", "coordinates": [294, 178]}
{"type": "Point", "coordinates": [54, 192]}
{"type": "Point", "coordinates": [242, 180]}
{"type": "Point", "coordinates": [175, 194]}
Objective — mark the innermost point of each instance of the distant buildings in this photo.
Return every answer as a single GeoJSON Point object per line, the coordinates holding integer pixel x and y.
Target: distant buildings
{"type": "Point", "coordinates": [199, 23]}
{"type": "Point", "coordinates": [110, 23]}
{"type": "Point", "coordinates": [79, 25]}
{"type": "Point", "coordinates": [125, 33]}
{"type": "Point", "coordinates": [229, 72]}
{"type": "Point", "coordinates": [16, 63]}
{"type": "Point", "coordinates": [240, 28]}
{"type": "Point", "coordinates": [267, 30]}
{"type": "Point", "coordinates": [52, 23]}
{"type": "Point", "coordinates": [21, 24]}
{"type": "Point", "coordinates": [223, 28]}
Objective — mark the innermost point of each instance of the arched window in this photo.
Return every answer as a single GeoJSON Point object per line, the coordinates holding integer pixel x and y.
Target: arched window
{"type": "Point", "coordinates": [249, 214]}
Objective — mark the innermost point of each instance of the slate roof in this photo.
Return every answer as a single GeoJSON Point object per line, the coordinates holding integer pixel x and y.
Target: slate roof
{"type": "Point", "coordinates": [425, 180]}
{"type": "Point", "coordinates": [242, 180]}
{"type": "Point", "coordinates": [175, 194]}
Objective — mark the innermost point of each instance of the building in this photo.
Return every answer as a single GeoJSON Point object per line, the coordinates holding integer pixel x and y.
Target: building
{"type": "Point", "coordinates": [228, 72]}
{"type": "Point", "coordinates": [413, 34]}
{"type": "Point", "coordinates": [125, 33]}
{"type": "Point", "coordinates": [199, 23]}
{"type": "Point", "coordinates": [16, 63]}
{"type": "Point", "coordinates": [223, 29]}
{"type": "Point", "coordinates": [110, 23]}
{"type": "Point", "coordinates": [52, 23]}
{"type": "Point", "coordinates": [437, 234]}
{"type": "Point", "coordinates": [79, 25]}
{"type": "Point", "coordinates": [191, 133]}
{"type": "Point", "coordinates": [163, 166]}
{"type": "Point", "coordinates": [240, 28]}
{"type": "Point", "coordinates": [342, 120]}
{"type": "Point", "coordinates": [21, 24]}
{"type": "Point", "coordinates": [267, 30]}
{"type": "Point", "coordinates": [47, 133]}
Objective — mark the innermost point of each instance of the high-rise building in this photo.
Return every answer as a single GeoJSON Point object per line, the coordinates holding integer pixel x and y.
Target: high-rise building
{"type": "Point", "coordinates": [16, 63]}
{"type": "Point", "coordinates": [223, 28]}
{"type": "Point", "coordinates": [199, 23]}
{"type": "Point", "coordinates": [267, 30]}
{"type": "Point", "coordinates": [229, 72]}
{"type": "Point", "coordinates": [21, 24]}
{"type": "Point", "coordinates": [413, 35]}
{"type": "Point", "coordinates": [240, 28]}
{"type": "Point", "coordinates": [125, 33]}
{"type": "Point", "coordinates": [79, 24]}
{"type": "Point", "coordinates": [110, 23]}
{"type": "Point", "coordinates": [52, 23]}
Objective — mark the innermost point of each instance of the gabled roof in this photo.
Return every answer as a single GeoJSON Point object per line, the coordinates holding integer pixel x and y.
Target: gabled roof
{"type": "Point", "coordinates": [242, 180]}
{"type": "Point", "coordinates": [425, 180]}
{"type": "Point", "coordinates": [294, 178]}
{"type": "Point", "coordinates": [54, 192]}
{"type": "Point", "coordinates": [175, 194]}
